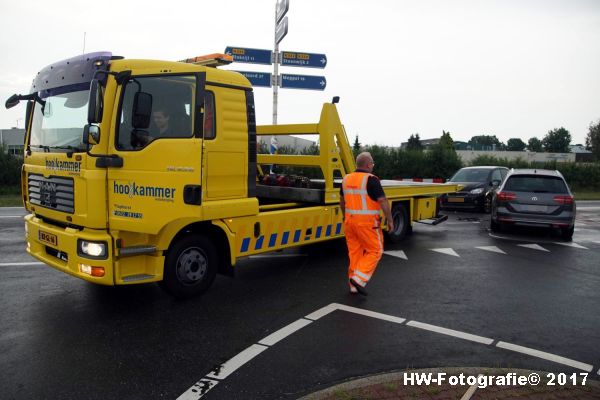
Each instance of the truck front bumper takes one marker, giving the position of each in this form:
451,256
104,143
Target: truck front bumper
58,247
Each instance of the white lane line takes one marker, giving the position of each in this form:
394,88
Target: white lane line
229,367
21,264
198,390
493,249
451,332
471,391
396,253
284,332
546,356
534,247
447,251
322,312
371,314
572,244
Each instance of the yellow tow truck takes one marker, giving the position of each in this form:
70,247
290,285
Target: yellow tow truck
140,171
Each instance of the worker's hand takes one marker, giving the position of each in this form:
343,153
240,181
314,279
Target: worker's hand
390,225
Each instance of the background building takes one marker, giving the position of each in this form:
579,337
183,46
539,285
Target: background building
12,140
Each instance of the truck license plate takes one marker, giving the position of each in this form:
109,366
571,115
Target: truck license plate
48,238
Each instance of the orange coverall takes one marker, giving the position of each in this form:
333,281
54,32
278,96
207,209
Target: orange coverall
362,225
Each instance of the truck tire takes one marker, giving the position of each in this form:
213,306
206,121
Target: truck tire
401,223
190,266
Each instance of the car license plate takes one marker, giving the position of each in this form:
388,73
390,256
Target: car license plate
48,238
456,199
535,208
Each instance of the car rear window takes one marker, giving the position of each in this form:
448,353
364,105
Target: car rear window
536,183
471,175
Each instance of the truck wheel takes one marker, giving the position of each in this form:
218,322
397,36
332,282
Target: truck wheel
401,223
190,267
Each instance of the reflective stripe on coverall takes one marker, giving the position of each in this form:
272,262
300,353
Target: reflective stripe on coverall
362,225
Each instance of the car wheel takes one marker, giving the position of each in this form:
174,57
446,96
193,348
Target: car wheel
401,223
190,266
567,233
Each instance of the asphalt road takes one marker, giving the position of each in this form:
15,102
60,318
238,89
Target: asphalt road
450,295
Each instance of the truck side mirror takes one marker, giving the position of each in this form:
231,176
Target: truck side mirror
12,101
91,134
142,110
95,103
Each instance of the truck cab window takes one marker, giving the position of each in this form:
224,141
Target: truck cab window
209,116
172,110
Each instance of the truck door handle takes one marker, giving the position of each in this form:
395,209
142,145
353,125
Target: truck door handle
113,161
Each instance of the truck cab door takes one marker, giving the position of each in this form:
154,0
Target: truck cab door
159,178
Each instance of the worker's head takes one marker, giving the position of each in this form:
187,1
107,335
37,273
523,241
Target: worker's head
365,161
161,119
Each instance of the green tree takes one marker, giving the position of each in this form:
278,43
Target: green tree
557,141
414,143
10,169
592,140
515,144
535,144
485,142
446,141
356,146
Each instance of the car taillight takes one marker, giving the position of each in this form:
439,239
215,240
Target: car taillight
563,199
506,196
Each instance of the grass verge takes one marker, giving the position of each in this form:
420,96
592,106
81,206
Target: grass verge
586,195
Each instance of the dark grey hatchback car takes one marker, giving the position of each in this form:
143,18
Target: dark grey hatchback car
534,197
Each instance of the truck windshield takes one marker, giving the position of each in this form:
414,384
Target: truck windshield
58,124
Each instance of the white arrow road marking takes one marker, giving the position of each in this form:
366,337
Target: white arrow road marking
396,253
571,244
493,249
534,247
447,251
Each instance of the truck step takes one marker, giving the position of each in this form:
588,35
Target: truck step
433,221
134,278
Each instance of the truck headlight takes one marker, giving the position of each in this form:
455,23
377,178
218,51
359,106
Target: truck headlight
476,191
89,249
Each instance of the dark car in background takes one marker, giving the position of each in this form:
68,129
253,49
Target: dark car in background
479,182
534,197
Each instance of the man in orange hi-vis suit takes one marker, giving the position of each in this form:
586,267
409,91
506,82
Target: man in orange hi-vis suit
361,200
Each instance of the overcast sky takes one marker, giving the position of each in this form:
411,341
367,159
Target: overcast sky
513,68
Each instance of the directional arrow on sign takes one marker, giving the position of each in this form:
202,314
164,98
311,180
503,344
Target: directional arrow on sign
310,82
299,59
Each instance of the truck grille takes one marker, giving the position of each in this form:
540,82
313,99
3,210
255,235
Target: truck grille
54,192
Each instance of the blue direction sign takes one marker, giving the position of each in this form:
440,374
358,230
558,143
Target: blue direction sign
252,56
297,59
291,81
257,78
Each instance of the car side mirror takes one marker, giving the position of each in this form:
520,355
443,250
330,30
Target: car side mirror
95,102
142,110
91,134
495,182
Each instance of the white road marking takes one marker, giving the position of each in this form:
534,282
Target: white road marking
471,391
322,312
230,366
546,356
588,208
396,253
447,251
371,314
451,332
284,332
493,249
21,264
199,389
572,244
534,247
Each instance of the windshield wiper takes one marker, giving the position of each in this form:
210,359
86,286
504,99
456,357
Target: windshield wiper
541,191
39,146
67,148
